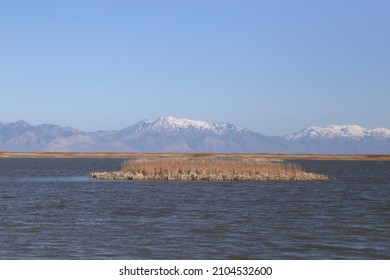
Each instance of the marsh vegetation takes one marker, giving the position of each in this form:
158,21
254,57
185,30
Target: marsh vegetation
208,170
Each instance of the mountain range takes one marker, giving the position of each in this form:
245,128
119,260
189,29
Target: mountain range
169,134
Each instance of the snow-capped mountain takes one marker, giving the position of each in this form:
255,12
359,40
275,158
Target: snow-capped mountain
340,139
340,131
178,125
169,134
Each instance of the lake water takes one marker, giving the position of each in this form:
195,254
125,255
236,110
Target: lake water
50,210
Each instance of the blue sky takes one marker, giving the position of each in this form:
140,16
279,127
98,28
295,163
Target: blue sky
272,66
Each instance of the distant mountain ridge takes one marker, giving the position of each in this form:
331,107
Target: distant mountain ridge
340,131
170,134
340,139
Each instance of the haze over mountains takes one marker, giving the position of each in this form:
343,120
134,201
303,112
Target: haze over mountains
169,134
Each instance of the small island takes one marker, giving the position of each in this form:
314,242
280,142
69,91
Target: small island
208,170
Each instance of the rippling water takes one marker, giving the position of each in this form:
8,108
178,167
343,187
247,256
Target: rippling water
50,210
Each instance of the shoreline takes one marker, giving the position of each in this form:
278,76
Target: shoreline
259,156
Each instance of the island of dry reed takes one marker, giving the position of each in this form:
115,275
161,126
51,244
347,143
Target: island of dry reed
207,170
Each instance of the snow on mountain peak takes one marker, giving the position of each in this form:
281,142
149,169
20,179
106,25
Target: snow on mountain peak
340,131
20,124
181,123
172,124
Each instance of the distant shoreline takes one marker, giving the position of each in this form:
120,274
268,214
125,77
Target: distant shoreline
270,157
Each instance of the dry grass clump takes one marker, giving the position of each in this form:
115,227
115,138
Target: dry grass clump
207,170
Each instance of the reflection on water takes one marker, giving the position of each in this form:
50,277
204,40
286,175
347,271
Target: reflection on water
50,210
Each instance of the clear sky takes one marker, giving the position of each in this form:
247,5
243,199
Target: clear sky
272,66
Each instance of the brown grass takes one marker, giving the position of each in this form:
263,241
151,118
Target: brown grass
207,170
258,156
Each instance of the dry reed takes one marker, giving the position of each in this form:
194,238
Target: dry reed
207,170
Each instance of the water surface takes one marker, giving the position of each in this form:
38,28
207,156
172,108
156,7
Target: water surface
50,210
